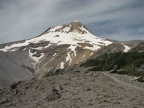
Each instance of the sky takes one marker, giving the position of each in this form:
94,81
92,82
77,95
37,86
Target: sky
112,19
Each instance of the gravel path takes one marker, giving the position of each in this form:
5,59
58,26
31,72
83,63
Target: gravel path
121,82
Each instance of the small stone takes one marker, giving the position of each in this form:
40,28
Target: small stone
87,89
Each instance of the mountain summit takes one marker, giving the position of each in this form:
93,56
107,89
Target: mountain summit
74,26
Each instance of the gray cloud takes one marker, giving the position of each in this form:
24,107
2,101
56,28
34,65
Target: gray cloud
115,19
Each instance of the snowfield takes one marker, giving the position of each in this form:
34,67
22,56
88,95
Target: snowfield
127,48
63,38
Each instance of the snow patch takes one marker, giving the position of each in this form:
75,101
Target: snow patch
24,49
38,48
83,57
83,29
14,49
106,43
66,29
62,65
36,59
53,29
17,45
73,47
47,46
68,58
54,54
92,48
91,54
76,21
127,48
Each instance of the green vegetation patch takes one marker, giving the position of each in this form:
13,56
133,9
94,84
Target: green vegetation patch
131,63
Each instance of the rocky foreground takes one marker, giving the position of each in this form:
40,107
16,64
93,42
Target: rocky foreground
75,90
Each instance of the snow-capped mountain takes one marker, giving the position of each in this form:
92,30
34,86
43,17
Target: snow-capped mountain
56,48
70,34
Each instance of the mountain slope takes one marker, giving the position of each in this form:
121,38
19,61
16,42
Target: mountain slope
14,66
58,47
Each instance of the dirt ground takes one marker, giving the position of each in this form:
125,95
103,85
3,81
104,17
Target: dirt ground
75,90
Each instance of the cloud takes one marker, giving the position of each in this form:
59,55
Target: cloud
125,34
24,19
21,19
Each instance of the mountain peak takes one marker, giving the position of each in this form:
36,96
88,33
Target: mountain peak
74,26
76,21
